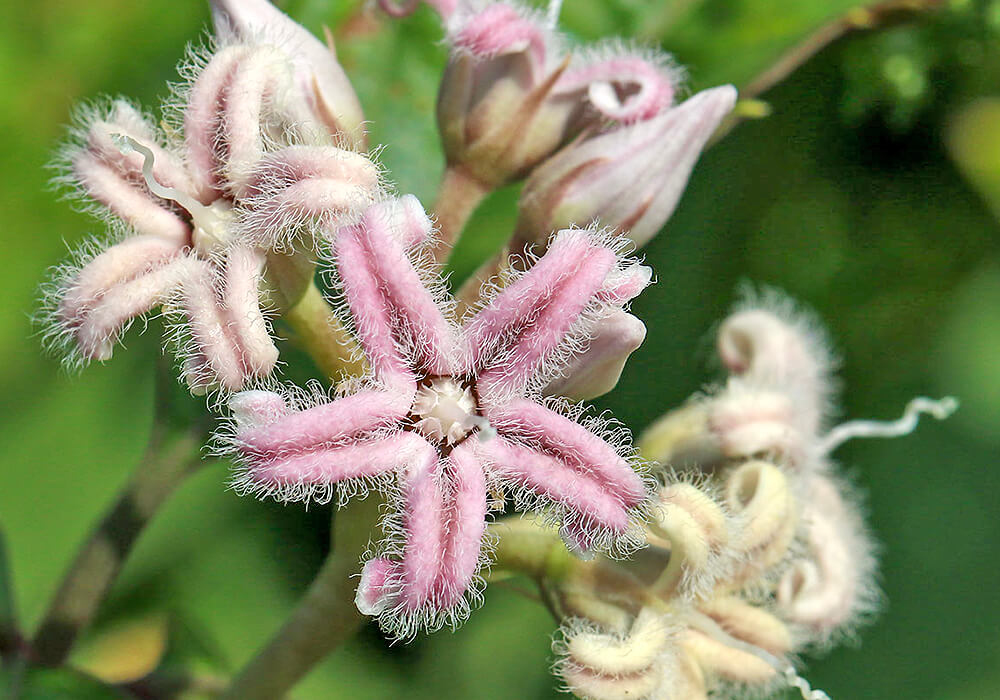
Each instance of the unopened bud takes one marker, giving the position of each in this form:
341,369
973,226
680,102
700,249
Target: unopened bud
596,370
831,587
697,531
758,493
630,178
600,665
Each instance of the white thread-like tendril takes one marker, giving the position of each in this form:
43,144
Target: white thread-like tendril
940,409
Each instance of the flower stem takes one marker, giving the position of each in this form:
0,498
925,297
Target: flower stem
459,195
324,618
9,635
320,333
171,455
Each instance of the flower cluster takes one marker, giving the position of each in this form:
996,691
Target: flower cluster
757,548
260,148
749,549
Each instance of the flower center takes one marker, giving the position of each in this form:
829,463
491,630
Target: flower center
210,223
445,410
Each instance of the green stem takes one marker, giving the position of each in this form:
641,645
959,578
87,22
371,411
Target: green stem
10,637
320,333
171,455
459,195
325,618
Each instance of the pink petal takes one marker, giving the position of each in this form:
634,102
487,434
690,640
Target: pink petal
132,202
105,317
325,424
203,120
243,276
649,87
572,444
120,263
465,522
331,465
215,354
499,30
552,479
397,320
299,184
532,318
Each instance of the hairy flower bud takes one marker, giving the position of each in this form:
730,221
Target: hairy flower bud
759,494
510,96
629,178
602,665
830,589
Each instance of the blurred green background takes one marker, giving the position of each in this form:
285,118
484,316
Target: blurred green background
870,194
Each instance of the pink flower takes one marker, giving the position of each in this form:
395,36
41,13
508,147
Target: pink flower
450,415
199,213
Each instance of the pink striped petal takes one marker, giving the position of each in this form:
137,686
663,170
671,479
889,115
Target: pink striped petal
465,522
551,479
649,88
120,263
532,317
572,444
325,424
299,184
423,528
499,30
215,355
133,203
203,120
395,314
105,317
243,276
332,465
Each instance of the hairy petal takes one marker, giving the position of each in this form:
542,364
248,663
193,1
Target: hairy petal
570,443
532,317
335,422
398,322
550,478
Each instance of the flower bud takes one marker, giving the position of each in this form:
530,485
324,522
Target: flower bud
510,97
596,370
698,532
319,79
830,588
768,344
629,178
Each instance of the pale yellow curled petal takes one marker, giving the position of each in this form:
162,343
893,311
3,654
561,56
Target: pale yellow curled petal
749,623
721,660
615,655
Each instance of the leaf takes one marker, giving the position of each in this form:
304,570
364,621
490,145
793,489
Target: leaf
126,651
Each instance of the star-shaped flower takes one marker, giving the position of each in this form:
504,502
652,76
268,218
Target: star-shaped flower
247,164
452,414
